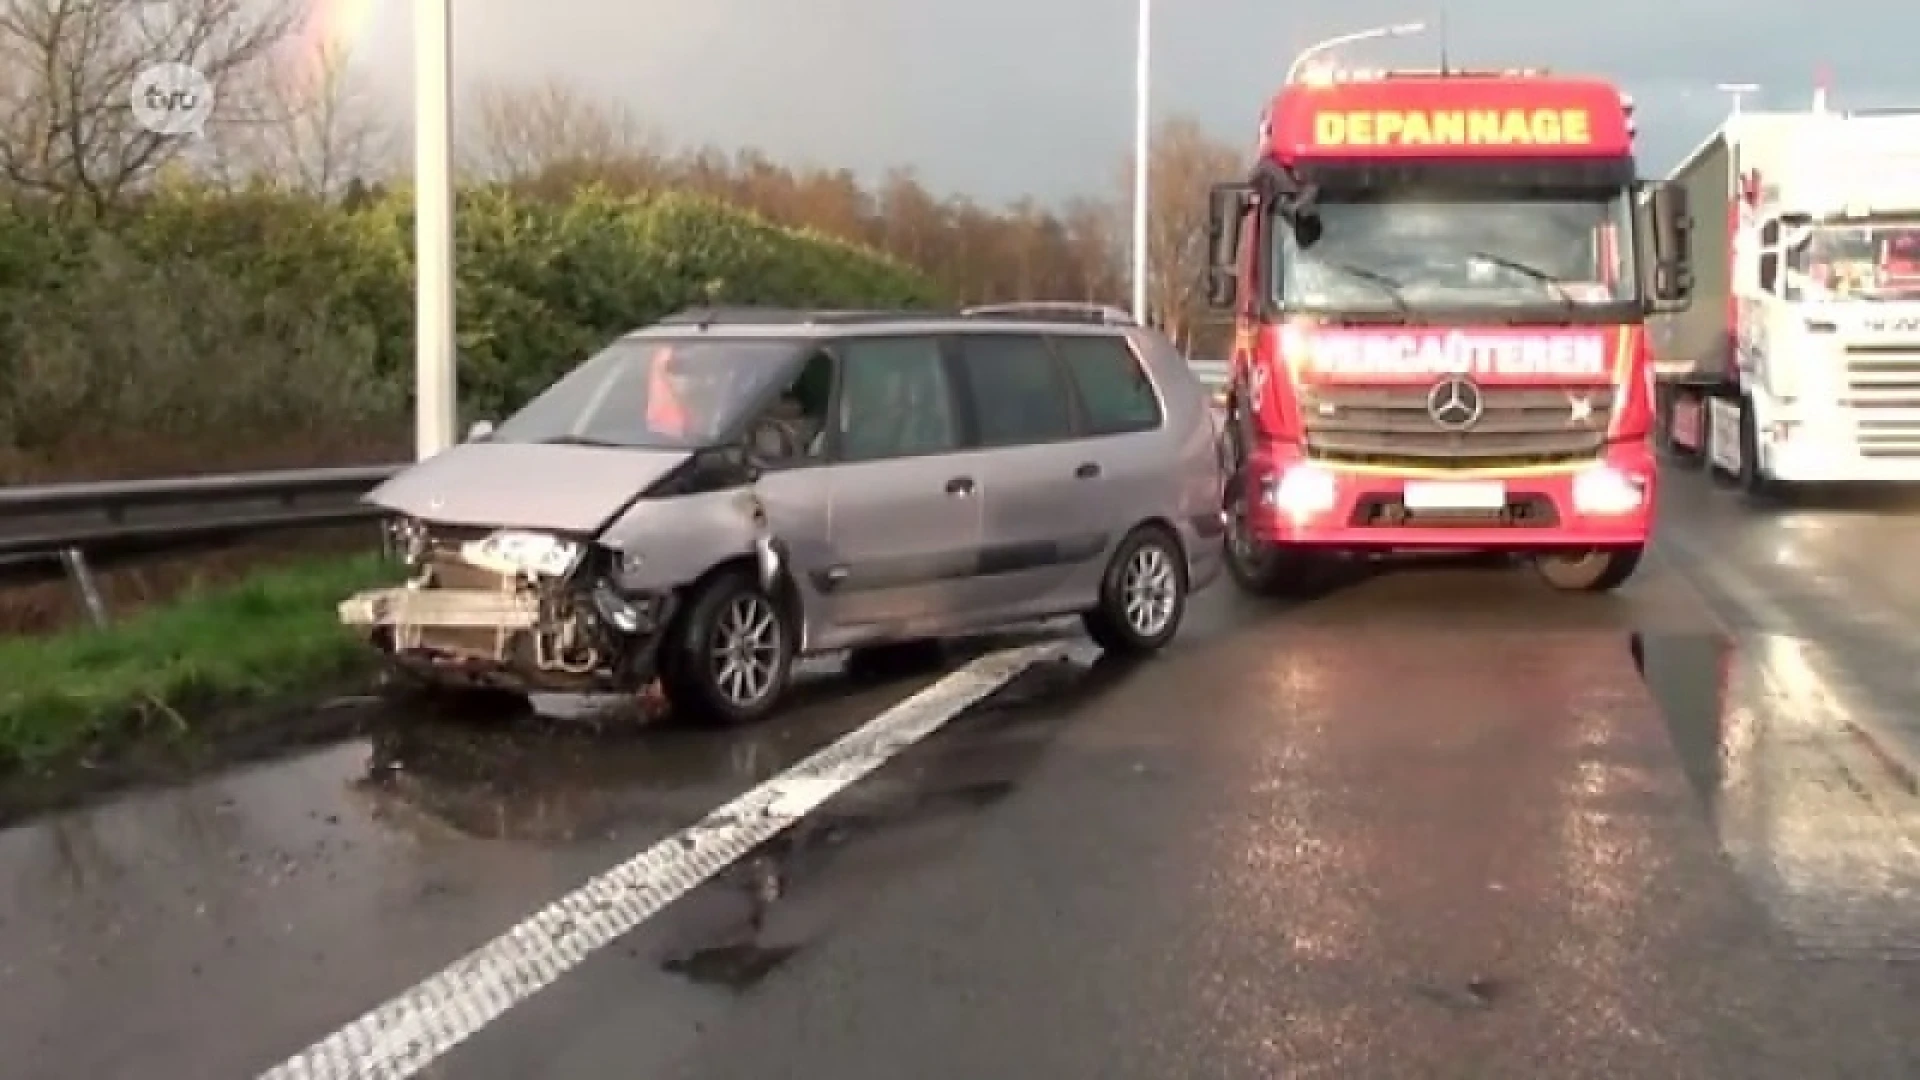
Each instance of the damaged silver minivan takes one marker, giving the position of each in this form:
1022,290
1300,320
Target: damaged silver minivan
712,496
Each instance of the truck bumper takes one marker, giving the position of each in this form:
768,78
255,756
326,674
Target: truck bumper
1604,503
1807,455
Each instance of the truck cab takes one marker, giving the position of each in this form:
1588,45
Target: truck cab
1440,287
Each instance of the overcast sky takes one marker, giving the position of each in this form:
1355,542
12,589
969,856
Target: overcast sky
998,98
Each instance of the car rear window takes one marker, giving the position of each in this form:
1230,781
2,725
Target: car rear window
1114,388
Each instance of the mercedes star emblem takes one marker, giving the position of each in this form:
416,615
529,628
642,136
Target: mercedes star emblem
1455,404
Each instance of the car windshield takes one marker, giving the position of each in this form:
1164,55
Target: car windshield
653,393
1402,251
1875,259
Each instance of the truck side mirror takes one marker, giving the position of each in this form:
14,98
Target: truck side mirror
1226,205
1672,247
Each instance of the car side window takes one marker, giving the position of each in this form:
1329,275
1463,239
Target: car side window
793,430
1114,388
895,400
1016,389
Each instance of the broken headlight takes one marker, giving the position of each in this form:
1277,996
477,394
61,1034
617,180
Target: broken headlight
512,552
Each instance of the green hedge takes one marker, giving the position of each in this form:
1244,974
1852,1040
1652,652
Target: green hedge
262,318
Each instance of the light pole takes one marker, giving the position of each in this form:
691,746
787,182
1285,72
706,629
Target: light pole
1318,47
1739,91
436,388
1142,137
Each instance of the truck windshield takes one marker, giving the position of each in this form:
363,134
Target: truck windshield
653,393
1407,251
1875,258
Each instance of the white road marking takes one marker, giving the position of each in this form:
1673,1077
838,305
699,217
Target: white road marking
405,1035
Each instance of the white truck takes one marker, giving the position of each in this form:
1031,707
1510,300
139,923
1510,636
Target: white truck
1798,362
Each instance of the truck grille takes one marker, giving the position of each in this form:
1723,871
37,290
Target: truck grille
1883,399
1518,427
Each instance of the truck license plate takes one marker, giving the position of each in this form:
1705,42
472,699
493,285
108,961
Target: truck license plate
1455,495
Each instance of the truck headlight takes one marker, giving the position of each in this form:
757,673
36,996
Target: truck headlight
512,552
1607,490
1304,490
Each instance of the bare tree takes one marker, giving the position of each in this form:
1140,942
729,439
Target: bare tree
1185,163
524,130
322,130
1094,251
67,73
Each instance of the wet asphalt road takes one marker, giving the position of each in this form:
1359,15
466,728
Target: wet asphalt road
1432,825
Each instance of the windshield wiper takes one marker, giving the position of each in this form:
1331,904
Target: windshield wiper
1387,286
1558,286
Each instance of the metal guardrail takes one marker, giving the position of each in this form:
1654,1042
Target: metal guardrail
68,524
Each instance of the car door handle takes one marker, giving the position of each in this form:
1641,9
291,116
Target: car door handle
960,485
1087,470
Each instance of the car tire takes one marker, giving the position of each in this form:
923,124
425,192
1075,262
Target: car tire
1602,570
727,659
1143,594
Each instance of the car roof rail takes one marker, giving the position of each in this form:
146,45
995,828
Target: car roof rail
1053,311
751,315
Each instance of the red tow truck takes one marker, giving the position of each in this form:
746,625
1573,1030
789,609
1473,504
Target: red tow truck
1440,285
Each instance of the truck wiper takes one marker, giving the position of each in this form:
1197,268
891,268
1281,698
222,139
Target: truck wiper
1388,286
1558,286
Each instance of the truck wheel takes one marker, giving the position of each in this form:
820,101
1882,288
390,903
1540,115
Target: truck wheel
1602,570
1255,565
1264,569
726,660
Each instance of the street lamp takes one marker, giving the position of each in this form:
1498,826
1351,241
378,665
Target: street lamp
1142,137
436,387
1739,92
1318,47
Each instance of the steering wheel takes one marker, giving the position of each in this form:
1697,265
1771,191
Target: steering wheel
772,439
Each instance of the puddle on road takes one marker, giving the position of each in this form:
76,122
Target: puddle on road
587,769
598,769
1824,833
758,913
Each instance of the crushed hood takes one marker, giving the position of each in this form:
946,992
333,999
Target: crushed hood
571,489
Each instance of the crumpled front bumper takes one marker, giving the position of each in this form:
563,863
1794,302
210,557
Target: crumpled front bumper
408,611
455,637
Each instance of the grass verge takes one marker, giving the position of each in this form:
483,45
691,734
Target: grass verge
80,694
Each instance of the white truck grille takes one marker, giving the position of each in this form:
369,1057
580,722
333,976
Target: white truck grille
1883,398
